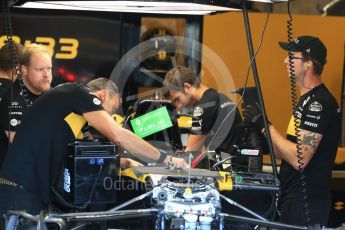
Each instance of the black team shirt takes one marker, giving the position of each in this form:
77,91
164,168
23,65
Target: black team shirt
217,116
53,121
317,112
11,114
5,84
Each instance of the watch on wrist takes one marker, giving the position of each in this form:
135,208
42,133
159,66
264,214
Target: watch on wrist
162,157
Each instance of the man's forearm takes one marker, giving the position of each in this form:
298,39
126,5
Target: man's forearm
195,142
283,148
106,125
287,150
137,146
127,140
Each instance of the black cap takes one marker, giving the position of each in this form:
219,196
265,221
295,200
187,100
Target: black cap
309,45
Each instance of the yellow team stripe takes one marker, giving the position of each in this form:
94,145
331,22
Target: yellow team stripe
184,122
291,128
76,123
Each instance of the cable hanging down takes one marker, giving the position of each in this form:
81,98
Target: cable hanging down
296,121
15,61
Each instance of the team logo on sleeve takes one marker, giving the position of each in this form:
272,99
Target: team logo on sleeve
198,121
96,101
14,122
315,106
312,116
198,111
198,126
311,124
305,101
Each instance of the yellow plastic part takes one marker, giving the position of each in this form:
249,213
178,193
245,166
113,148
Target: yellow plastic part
225,183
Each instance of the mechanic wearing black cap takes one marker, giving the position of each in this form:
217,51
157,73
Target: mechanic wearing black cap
318,116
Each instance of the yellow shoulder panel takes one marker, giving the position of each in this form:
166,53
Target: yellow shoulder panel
291,128
184,122
76,123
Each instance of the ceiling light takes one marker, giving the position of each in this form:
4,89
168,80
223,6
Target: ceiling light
187,7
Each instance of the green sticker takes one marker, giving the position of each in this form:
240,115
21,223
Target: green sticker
152,122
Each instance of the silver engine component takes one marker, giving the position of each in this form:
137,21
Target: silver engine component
193,204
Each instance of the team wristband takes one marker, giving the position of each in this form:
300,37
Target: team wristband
162,157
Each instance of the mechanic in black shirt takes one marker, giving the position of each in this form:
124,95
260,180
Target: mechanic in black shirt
54,120
215,117
7,71
36,66
318,117
7,76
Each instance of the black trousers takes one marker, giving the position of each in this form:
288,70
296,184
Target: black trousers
293,211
